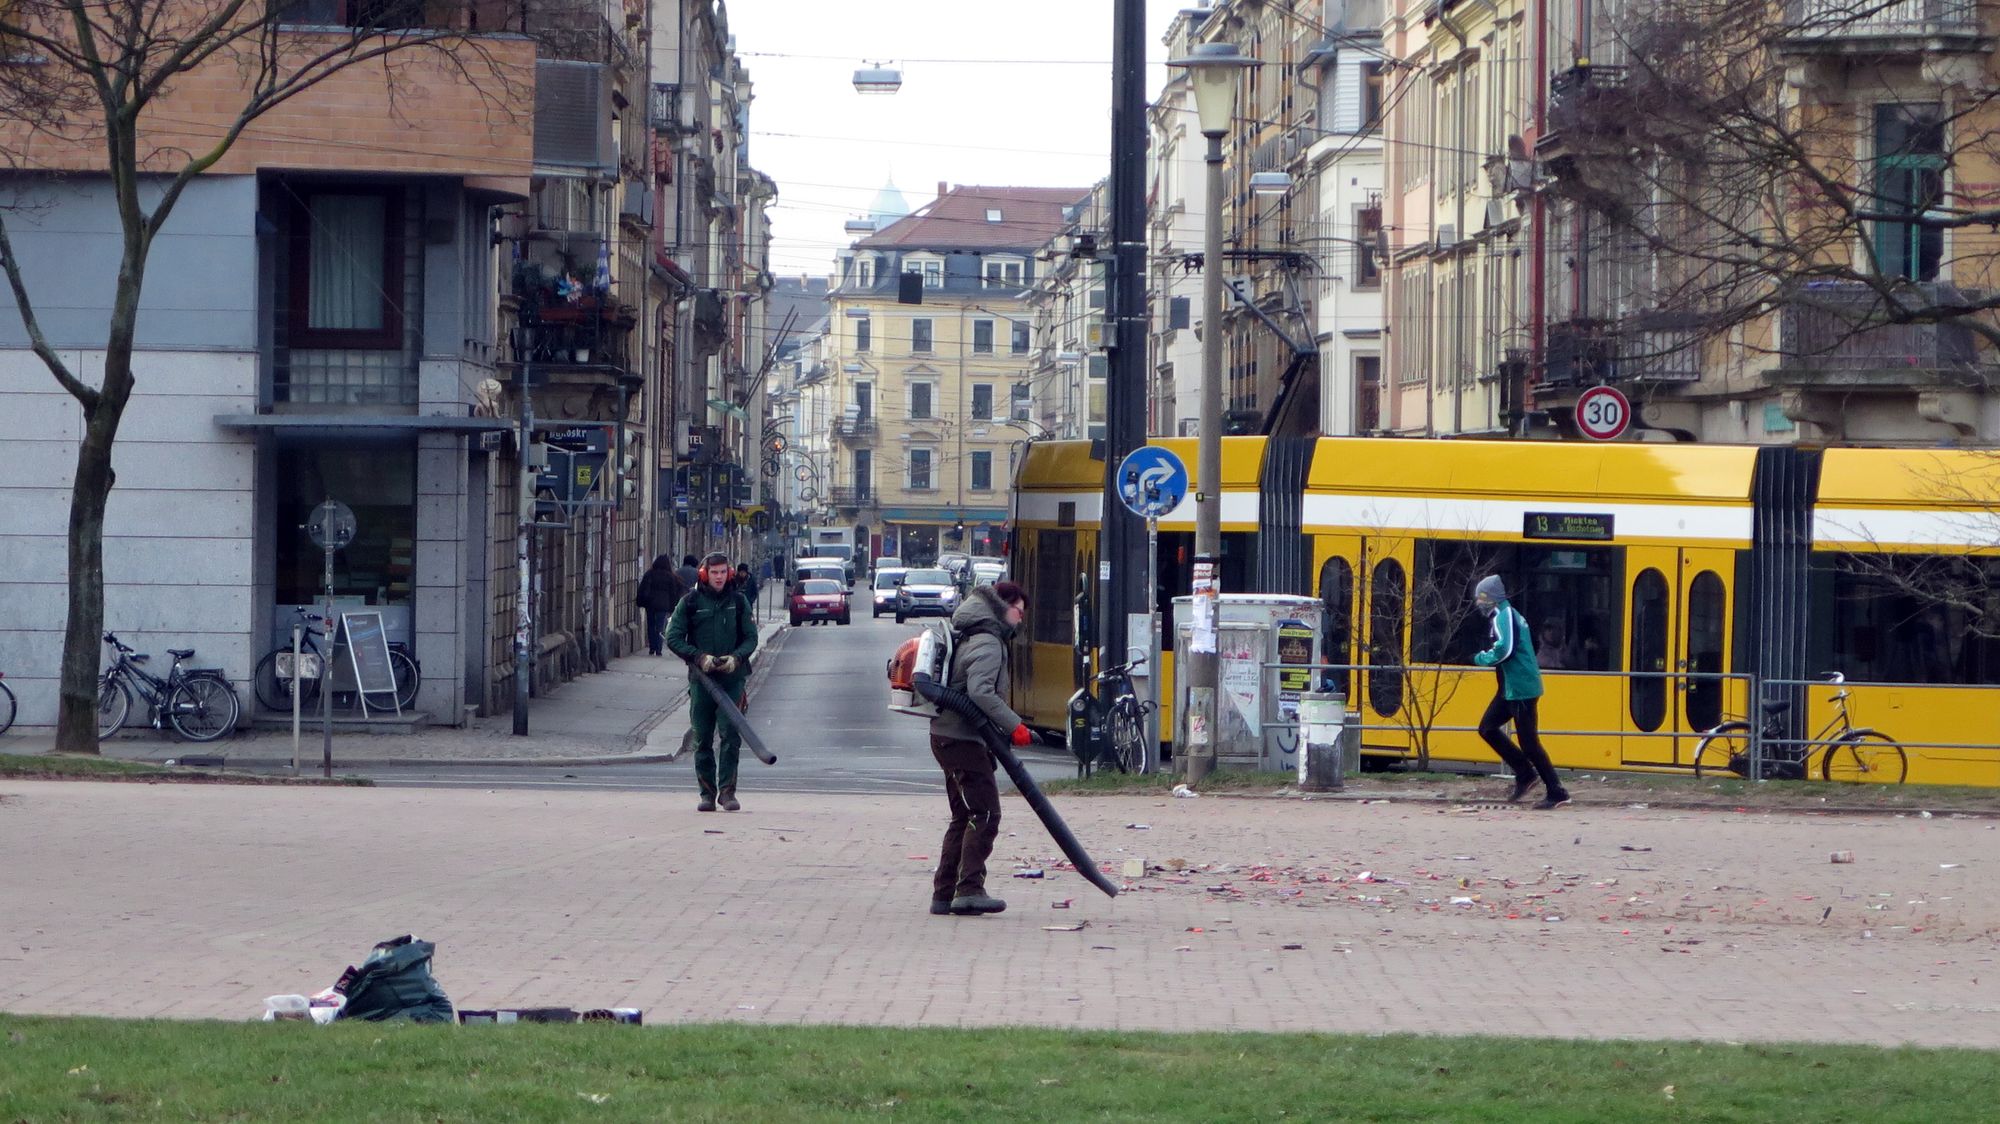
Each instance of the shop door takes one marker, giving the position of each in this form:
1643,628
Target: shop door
1676,628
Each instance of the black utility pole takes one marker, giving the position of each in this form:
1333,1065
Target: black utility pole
1123,548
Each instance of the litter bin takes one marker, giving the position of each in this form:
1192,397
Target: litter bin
1330,744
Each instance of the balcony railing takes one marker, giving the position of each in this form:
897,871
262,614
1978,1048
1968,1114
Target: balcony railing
1579,353
850,428
1838,326
1660,347
1838,21
845,496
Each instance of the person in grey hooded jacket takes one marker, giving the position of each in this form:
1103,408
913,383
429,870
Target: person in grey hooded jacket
1518,699
982,627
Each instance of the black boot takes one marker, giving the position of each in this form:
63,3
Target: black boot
976,903
728,800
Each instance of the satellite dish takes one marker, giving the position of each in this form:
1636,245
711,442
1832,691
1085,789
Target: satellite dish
331,525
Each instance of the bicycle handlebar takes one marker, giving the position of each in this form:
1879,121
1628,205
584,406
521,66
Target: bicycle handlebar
1111,673
114,642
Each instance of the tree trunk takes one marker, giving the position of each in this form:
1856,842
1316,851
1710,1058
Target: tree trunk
76,724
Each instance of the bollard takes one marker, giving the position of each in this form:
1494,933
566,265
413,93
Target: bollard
1322,718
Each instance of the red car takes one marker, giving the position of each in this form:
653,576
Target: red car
818,600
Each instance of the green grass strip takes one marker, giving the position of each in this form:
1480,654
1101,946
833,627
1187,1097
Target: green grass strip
96,1069
82,767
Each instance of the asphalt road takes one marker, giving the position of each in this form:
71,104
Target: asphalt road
823,709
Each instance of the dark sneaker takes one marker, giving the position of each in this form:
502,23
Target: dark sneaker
940,907
976,903
1553,800
1522,787
707,804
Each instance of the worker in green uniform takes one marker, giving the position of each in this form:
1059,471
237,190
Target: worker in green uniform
712,630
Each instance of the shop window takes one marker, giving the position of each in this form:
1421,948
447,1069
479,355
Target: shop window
379,482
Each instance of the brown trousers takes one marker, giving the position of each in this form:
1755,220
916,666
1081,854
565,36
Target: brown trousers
975,817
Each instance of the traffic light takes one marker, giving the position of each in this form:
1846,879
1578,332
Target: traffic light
626,483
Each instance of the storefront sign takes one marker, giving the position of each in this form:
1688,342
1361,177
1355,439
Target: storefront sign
368,652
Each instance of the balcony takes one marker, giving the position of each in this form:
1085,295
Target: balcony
845,496
854,428
1587,107
1579,353
1881,28
1660,347
1833,333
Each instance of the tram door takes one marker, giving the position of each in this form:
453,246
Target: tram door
1676,638
1381,641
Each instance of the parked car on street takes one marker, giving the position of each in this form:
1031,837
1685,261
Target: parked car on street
986,573
883,588
889,563
819,600
926,593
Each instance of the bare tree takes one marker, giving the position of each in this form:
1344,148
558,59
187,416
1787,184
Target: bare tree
1729,167
92,75
1435,602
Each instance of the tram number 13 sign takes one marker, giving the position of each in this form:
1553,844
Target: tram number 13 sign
1603,413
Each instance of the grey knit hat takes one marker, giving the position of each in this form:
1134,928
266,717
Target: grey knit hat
1491,586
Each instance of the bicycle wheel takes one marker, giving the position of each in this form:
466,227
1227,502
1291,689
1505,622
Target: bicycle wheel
274,692
114,703
1864,756
408,678
203,709
1723,751
6,708
1127,737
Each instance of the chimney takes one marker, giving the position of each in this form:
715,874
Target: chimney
943,189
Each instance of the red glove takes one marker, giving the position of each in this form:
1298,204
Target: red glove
1021,735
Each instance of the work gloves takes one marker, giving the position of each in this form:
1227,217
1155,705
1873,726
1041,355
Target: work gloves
1021,735
717,665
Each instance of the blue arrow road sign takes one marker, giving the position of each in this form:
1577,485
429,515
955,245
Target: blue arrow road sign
1152,481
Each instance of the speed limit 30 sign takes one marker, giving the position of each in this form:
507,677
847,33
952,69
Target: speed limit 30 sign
1603,413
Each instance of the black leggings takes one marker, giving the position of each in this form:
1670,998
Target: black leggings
1528,758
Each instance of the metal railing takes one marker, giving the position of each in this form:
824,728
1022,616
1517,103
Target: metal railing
1871,19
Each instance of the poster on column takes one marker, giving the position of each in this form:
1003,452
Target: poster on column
1295,641
1202,618
1241,675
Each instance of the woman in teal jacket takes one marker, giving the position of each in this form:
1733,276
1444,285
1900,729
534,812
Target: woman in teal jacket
1512,658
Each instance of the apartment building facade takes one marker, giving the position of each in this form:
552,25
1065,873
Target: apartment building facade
929,353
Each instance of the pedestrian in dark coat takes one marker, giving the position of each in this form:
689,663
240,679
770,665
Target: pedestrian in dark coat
659,591
1512,658
747,583
712,630
689,573
982,627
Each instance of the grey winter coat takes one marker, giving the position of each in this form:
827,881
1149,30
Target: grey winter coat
979,666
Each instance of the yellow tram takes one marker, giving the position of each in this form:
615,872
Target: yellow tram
1660,582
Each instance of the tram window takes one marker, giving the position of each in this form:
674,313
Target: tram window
1907,618
1446,624
1050,601
1649,649
1336,595
1704,649
1569,596
1385,637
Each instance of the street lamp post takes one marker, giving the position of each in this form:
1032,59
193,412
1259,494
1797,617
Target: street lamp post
1213,68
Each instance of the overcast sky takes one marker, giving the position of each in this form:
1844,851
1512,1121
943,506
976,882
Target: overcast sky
995,92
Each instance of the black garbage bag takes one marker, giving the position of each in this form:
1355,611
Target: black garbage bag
395,982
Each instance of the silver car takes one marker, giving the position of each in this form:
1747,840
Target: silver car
926,593
887,578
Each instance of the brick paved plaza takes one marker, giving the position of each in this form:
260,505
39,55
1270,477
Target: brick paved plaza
196,901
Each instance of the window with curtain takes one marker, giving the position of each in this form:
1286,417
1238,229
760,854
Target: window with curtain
1910,164
346,271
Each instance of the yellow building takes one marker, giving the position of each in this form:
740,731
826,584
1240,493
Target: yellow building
928,341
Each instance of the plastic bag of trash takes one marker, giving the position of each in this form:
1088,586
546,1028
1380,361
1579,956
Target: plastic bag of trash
395,982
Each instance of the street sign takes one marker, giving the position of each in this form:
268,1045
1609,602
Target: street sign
1152,481
1603,413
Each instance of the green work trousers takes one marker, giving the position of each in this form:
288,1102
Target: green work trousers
715,771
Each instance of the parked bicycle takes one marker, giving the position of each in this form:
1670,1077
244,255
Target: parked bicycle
272,680
199,703
1841,751
1110,733
6,704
